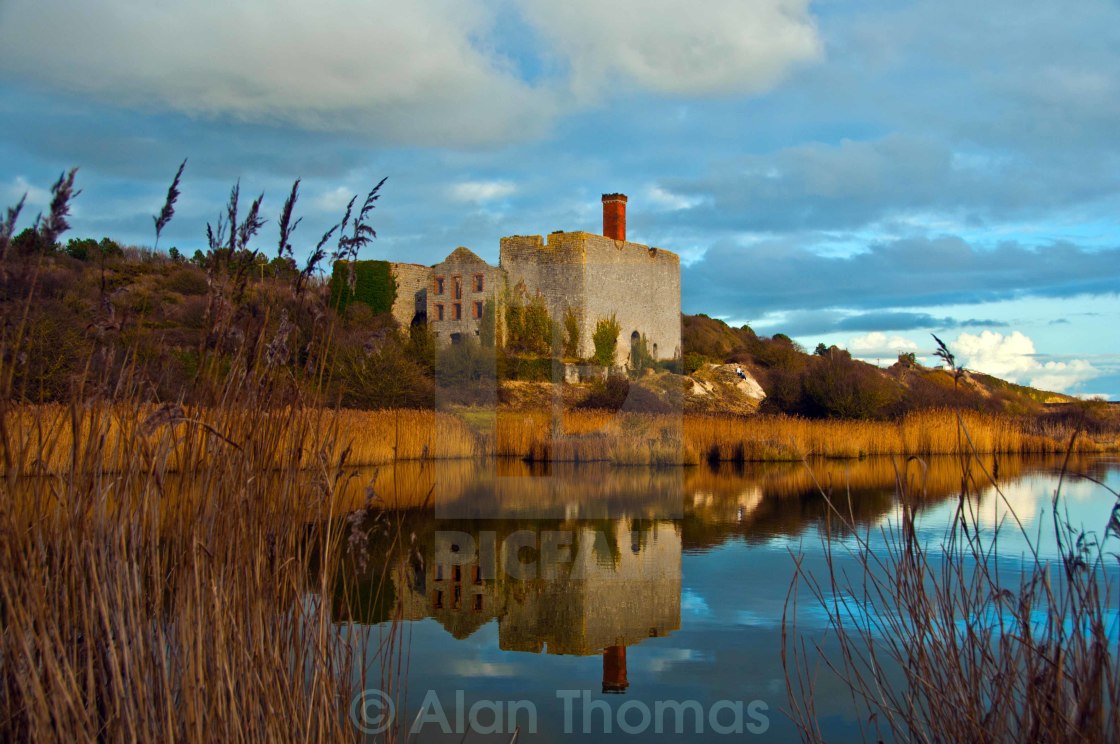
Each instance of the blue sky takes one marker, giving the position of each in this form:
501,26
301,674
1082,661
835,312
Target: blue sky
858,173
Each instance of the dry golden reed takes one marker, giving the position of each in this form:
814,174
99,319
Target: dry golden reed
653,439
43,437
141,605
54,438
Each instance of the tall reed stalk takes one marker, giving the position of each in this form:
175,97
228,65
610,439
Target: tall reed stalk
961,641
137,606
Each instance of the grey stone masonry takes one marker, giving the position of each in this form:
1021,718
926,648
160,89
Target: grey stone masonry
598,277
458,290
592,276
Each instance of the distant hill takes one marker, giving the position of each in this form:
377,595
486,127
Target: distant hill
830,383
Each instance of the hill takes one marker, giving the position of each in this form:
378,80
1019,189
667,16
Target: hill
829,383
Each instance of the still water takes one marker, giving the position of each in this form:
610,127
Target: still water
592,603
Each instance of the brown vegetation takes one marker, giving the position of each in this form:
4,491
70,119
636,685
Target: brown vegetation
959,642
53,438
831,384
141,606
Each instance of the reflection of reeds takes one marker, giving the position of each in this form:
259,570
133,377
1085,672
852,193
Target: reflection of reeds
956,641
138,605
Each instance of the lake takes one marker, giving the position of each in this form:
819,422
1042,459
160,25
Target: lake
596,603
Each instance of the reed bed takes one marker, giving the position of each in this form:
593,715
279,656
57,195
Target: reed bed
933,432
593,436
656,439
54,438
137,605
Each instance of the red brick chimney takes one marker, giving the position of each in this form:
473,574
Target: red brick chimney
614,216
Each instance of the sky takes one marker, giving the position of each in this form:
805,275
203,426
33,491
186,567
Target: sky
862,173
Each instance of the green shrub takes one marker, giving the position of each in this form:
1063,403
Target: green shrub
81,248
842,388
571,334
487,328
640,356
609,394
605,340
387,377
528,327
186,281
466,373
693,362
528,368
374,285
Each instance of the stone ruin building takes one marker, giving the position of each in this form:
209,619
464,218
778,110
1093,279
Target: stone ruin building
592,276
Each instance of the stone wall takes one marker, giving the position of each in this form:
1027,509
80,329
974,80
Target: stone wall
412,291
554,269
641,286
453,284
597,277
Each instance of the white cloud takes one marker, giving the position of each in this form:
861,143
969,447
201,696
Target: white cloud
412,72
665,199
36,197
334,200
1013,357
477,192
880,344
718,46
430,72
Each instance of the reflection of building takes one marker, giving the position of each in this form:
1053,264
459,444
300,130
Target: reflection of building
596,588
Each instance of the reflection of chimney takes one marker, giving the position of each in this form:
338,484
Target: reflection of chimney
614,670
614,216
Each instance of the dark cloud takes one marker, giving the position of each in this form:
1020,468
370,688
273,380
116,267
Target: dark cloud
909,321
118,142
818,322
856,183
747,281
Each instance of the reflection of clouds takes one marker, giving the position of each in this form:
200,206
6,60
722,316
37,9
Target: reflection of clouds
1083,504
1079,489
693,604
852,613
475,668
756,619
663,660
1020,500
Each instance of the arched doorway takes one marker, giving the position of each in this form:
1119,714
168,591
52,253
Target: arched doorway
635,349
